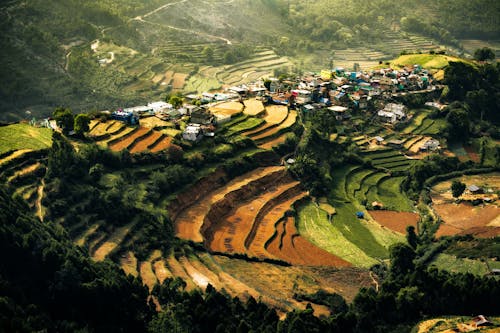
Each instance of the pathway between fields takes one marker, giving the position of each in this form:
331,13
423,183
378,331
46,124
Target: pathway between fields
39,212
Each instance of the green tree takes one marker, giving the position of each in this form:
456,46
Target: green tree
176,100
81,123
411,236
457,188
64,118
61,156
458,124
484,54
208,53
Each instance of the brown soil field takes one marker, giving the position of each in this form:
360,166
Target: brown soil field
126,130
298,251
147,275
274,142
253,107
157,78
179,80
265,226
142,145
397,221
161,270
276,114
128,139
152,122
228,234
189,221
168,77
279,283
165,143
111,243
227,108
462,218
128,263
441,192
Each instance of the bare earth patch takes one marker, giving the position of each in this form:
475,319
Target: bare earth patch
127,140
397,221
464,218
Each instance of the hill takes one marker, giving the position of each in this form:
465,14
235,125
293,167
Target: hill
107,55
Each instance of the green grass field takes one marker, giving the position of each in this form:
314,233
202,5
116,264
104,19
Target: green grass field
314,225
463,265
248,124
24,136
429,61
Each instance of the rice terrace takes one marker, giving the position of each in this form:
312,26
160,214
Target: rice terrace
250,166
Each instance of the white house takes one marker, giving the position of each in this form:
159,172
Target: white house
192,132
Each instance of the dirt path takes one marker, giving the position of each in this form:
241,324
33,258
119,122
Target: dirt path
39,209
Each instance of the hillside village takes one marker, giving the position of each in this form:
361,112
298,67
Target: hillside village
340,91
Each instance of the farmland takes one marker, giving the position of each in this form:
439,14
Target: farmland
24,136
463,217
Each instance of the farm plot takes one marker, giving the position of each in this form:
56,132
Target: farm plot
463,265
111,243
153,122
314,225
189,221
178,81
24,136
145,142
290,246
397,221
274,142
463,218
246,125
125,141
227,108
276,114
161,144
288,122
124,132
253,107
228,234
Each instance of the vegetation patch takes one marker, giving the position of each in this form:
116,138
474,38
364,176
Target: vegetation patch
24,136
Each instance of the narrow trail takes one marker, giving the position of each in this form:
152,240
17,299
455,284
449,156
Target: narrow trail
39,212
199,33
162,8
374,281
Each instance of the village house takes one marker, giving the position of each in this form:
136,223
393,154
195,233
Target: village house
192,132
392,113
430,145
340,112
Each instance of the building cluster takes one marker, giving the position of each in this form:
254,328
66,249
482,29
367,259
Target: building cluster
339,91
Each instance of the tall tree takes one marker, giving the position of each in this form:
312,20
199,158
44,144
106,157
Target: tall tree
81,123
64,118
457,188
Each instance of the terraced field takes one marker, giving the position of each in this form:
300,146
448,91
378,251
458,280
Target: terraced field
22,136
390,160
272,132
